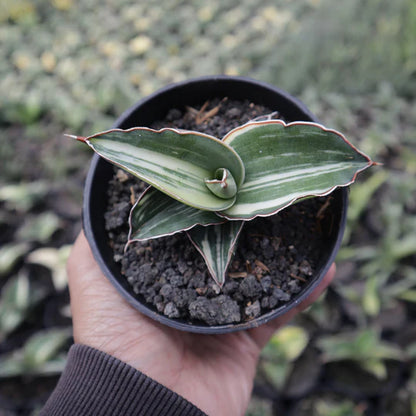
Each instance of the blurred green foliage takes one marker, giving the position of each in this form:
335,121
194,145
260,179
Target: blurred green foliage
17,299
364,346
280,353
40,355
69,66
350,49
331,407
83,72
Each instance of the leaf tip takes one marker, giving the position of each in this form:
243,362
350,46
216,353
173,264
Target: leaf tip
376,163
79,138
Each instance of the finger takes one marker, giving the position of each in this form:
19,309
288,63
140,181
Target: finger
90,290
262,334
102,318
81,262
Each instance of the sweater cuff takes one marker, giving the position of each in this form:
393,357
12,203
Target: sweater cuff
95,383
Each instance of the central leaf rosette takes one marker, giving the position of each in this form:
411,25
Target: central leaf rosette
223,185
209,187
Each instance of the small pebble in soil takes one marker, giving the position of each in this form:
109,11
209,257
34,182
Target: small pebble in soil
250,287
266,284
253,310
216,311
171,310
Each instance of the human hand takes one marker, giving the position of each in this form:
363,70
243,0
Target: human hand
214,372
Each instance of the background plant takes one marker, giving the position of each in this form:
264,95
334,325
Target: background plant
63,70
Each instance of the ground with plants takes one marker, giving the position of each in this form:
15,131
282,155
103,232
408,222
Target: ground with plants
72,68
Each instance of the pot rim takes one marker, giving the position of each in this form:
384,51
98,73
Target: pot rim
95,237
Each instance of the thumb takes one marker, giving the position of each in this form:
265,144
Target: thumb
92,295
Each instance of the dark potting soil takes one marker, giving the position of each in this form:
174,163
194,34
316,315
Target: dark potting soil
274,256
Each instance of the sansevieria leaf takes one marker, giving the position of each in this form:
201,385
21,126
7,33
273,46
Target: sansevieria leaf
216,244
284,163
174,161
155,215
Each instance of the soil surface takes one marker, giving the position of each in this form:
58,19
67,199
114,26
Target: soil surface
275,256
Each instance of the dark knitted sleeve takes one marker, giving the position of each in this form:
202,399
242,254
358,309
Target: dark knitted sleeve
95,383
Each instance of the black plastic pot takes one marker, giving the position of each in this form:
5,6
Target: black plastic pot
155,107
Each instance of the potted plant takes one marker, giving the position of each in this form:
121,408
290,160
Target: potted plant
224,193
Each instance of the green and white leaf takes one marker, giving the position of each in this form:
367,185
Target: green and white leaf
216,244
45,345
17,298
42,354
155,215
23,196
284,163
55,260
10,255
174,161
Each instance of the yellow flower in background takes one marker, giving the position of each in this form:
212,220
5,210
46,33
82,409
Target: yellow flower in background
62,4
48,61
232,70
205,14
274,15
110,48
16,10
22,61
140,44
